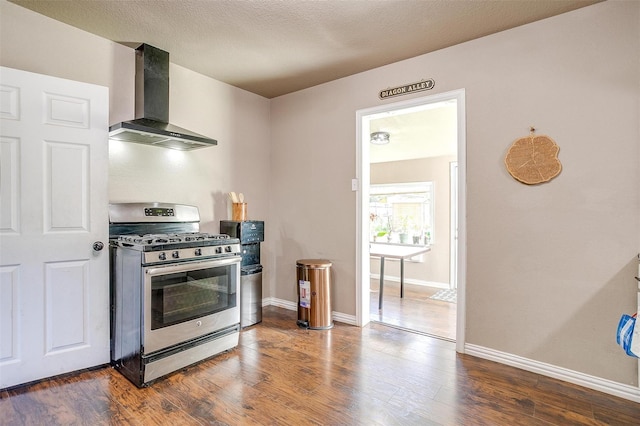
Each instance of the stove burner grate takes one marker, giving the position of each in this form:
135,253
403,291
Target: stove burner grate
188,237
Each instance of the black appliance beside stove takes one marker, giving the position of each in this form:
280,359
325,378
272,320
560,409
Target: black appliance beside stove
251,234
175,294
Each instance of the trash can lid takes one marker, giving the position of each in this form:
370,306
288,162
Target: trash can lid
314,263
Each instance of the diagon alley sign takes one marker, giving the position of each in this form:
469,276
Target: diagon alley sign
408,88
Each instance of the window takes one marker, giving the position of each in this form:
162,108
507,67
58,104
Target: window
401,213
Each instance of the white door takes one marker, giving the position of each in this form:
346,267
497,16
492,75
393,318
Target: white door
54,287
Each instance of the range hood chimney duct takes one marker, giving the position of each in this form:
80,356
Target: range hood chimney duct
151,125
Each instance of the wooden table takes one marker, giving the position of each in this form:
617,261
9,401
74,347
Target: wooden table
394,251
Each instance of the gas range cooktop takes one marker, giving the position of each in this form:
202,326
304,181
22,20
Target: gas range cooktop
154,242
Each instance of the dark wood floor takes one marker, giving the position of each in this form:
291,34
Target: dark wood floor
415,311
283,375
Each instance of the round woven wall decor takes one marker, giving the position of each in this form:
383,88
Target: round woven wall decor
533,159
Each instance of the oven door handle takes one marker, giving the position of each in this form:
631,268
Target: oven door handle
192,266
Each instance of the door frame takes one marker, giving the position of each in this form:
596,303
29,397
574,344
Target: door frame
362,212
453,225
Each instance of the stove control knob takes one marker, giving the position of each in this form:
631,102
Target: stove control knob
162,256
218,250
175,255
198,252
227,249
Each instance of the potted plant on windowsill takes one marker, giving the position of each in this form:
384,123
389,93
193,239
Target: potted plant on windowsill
404,230
416,234
379,234
380,229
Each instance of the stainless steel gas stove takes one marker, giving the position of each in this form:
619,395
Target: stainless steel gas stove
175,290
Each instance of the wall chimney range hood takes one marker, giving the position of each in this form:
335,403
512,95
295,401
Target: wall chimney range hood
151,126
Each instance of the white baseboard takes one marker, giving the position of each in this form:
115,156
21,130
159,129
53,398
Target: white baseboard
344,318
280,303
610,387
631,393
293,306
410,281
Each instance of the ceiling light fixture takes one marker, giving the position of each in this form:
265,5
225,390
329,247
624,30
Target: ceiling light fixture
380,138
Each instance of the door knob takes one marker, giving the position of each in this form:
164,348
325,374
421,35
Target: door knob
97,246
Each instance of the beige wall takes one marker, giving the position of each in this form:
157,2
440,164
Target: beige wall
550,267
32,42
435,265
239,120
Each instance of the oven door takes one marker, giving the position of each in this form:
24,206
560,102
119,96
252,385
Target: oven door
188,300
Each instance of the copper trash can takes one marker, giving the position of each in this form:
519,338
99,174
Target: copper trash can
314,294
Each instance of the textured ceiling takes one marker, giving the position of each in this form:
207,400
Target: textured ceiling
273,47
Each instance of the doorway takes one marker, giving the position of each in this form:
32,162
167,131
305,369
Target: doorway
396,214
